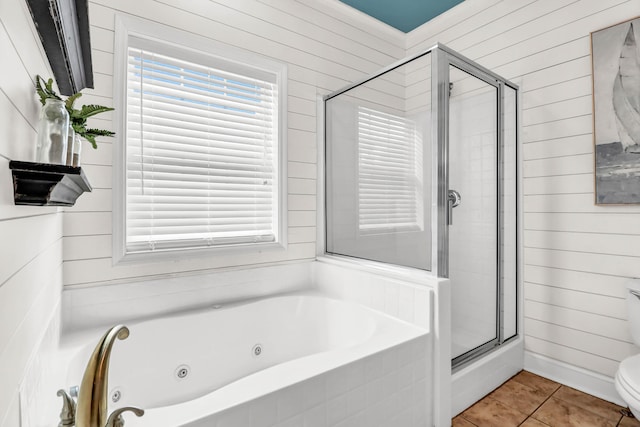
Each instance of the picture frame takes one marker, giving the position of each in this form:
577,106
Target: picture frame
615,55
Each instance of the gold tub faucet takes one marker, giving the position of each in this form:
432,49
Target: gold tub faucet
91,410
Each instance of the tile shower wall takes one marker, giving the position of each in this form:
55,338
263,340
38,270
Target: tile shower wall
31,237
577,256
324,49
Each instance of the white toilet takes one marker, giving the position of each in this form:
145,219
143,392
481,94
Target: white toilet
628,375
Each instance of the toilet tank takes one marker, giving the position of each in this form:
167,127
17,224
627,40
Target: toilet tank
633,309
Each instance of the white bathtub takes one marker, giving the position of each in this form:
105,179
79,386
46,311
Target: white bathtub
296,359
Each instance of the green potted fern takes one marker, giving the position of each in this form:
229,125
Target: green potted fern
77,118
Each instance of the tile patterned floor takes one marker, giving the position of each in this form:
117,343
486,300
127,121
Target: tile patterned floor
529,400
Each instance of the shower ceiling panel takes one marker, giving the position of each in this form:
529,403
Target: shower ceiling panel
405,15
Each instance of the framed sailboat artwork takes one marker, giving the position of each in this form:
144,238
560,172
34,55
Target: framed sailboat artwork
615,54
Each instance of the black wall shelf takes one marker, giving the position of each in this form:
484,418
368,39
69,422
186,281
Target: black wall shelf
42,184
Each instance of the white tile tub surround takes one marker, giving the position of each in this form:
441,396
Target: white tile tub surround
397,388
411,295
402,299
87,307
386,389
374,377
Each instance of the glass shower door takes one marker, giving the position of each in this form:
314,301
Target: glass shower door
473,212
421,172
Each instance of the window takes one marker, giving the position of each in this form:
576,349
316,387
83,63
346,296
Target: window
389,173
202,146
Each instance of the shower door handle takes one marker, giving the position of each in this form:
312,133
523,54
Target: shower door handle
453,200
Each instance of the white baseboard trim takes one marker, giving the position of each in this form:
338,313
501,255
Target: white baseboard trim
587,381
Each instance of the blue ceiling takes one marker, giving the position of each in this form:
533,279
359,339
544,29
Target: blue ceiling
405,15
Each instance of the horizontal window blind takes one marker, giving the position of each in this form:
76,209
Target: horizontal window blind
201,154
387,172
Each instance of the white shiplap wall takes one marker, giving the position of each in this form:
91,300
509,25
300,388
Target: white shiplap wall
31,237
324,49
577,256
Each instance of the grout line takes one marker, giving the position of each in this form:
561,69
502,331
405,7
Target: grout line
530,415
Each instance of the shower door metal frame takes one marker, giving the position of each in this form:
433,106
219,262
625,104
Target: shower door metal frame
442,59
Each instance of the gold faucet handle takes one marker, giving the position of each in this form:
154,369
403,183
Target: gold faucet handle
116,420
68,412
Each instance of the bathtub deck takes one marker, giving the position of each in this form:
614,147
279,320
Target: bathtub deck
530,400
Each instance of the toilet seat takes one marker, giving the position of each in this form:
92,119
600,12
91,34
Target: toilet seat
629,369
627,382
